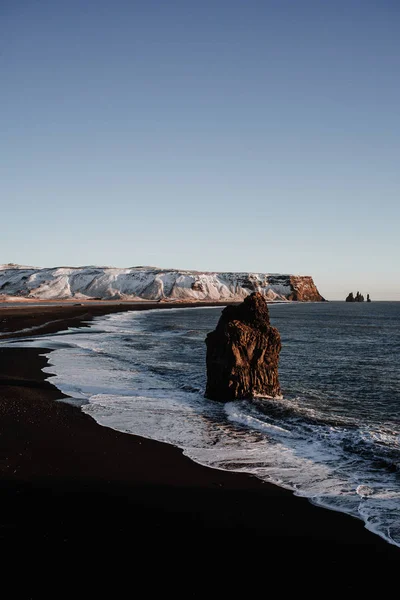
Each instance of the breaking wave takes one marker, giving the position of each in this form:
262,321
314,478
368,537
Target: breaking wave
333,438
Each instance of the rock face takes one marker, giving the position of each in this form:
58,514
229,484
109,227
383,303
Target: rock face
150,283
243,353
304,289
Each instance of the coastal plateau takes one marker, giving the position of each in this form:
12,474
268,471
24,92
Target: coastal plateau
149,283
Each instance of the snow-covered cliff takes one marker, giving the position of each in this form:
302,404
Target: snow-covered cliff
149,283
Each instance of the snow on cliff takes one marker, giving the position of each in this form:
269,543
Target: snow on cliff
149,283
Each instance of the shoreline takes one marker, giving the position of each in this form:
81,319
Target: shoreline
59,460
18,320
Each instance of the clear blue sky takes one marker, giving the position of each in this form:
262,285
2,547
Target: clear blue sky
255,135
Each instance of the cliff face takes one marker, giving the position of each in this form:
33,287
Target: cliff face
149,283
304,289
243,353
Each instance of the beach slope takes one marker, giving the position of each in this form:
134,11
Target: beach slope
71,488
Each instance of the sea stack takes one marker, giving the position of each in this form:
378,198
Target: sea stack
243,353
358,298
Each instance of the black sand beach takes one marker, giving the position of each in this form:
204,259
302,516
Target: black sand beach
84,499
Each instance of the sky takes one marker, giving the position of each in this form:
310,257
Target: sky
223,135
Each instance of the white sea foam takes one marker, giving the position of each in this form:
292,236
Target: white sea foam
125,382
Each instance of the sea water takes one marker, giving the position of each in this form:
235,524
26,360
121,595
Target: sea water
333,438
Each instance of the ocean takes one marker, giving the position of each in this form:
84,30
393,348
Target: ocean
333,438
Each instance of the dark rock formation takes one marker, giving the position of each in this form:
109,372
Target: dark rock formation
358,298
243,353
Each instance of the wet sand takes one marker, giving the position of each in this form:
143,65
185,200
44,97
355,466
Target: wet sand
75,495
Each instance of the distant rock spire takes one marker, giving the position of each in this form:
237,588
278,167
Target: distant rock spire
358,297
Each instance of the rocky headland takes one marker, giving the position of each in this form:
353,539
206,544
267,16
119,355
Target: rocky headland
149,283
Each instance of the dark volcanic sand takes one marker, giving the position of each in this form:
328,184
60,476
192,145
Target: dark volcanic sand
82,500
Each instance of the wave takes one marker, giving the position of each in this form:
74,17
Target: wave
135,380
